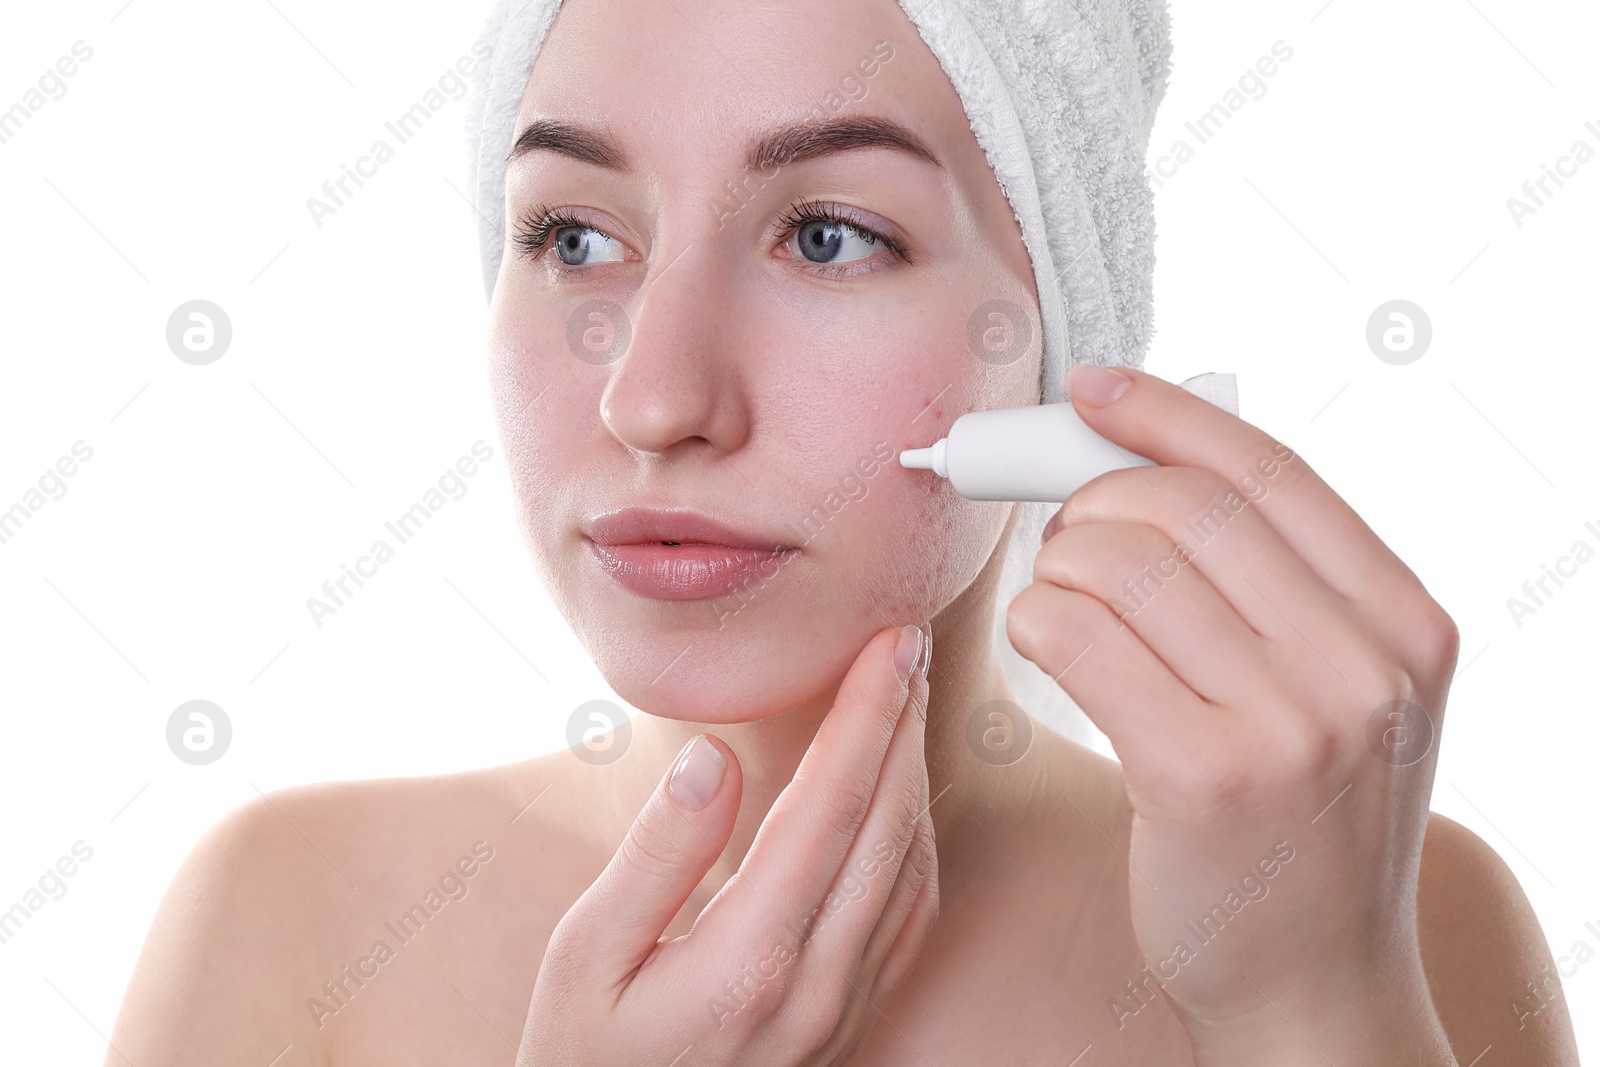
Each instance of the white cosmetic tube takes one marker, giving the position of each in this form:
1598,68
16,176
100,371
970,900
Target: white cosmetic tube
1041,452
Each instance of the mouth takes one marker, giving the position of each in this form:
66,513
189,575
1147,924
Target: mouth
680,554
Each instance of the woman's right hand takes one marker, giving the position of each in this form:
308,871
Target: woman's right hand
832,903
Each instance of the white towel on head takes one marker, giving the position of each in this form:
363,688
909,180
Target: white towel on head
1061,96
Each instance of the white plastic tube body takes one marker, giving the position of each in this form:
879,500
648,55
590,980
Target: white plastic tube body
1041,452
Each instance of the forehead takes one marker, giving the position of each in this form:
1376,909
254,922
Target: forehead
699,77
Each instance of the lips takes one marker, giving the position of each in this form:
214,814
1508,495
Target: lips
637,526
677,554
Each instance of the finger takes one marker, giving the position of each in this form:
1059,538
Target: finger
1153,585
676,837
1166,423
913,935
881,874
812,824
917,878
1241,555
1152,718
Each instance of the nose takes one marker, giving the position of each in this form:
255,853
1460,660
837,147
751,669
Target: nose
678,382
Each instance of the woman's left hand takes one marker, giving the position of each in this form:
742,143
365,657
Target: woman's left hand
1273,679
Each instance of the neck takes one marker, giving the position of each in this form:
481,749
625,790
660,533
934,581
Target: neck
965,793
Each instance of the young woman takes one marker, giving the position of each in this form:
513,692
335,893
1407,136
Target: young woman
805,852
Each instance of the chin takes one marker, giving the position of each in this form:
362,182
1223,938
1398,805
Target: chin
708,695
729,659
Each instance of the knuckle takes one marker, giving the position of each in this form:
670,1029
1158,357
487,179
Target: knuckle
901,860
1265,450
1308,754
919,699
1439,639
565,953
1053,524
830,1012
1083,503
1135,549
1268,459
1217,788
1099,497
1052,563
1293,465
1377,679
1043,615
650,849
904,835
1139,542
921,862
811,1017
762,1002
844,808
1098,556
1020,615
1281,760
1198,496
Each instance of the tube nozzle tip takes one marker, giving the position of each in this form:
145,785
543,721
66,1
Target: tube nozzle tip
917,458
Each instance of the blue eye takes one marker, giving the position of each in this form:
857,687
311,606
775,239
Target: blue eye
822,234
822,242
576,242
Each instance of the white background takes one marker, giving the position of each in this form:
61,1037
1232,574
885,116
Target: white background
177,565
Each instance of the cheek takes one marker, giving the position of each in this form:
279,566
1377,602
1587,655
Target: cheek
946,540
534,393
519,383
912,546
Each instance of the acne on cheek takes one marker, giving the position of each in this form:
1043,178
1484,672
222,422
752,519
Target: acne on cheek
920,585
894,544
944,542
913,587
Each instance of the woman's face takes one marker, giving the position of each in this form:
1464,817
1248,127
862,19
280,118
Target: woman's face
735,285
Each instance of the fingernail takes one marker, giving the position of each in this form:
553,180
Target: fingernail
927,651
906,650
699,772
1095,385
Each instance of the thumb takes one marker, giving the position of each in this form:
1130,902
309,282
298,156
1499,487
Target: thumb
677,836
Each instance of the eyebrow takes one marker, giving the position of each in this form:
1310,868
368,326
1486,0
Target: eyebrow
794,142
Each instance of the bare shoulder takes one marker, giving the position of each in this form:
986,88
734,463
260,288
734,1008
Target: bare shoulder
290,889
1487,960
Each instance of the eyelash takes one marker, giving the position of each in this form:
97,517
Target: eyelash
535,228
805,211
